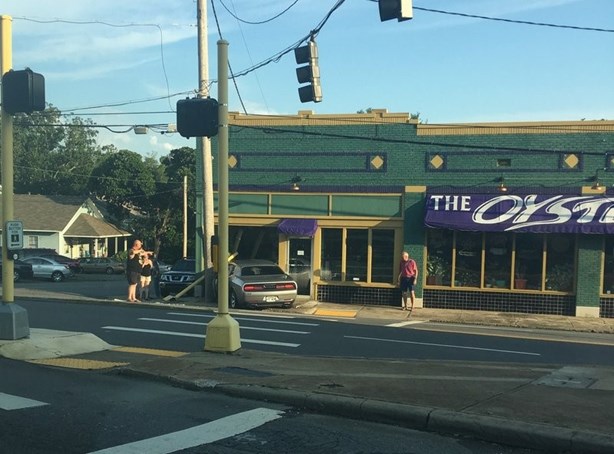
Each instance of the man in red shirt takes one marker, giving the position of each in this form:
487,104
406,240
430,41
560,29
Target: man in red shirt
408,273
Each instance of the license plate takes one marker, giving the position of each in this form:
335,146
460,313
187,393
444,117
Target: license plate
270,299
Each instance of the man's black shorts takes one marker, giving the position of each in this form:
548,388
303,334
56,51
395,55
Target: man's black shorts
407,283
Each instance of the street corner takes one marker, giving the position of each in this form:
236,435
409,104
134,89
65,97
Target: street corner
43,344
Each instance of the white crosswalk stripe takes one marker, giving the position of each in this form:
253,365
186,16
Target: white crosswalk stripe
195,436
10,402
201,336
182,324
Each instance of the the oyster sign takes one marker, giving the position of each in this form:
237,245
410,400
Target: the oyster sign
522,213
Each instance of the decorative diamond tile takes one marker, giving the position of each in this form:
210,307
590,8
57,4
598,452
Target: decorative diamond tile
377,163
232,161
437,162
571,161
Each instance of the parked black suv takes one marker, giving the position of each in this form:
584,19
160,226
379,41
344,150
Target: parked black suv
182,274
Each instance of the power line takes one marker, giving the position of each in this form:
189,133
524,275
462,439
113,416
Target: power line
109,24
258,22
513,21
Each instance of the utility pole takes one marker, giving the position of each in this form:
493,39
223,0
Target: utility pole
13,318
204,164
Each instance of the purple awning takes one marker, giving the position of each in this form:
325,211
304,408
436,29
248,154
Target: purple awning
298,227
536,213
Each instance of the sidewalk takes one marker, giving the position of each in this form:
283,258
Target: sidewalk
547,407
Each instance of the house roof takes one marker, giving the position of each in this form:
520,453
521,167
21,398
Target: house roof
54,213
89,226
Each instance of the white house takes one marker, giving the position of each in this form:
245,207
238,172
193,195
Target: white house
72,225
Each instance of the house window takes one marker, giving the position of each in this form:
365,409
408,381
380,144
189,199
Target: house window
367,252
32,241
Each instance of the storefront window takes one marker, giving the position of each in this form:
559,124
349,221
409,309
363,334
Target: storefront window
608,278
382,256
439,257
356,254
468,259
560,261
331,254
498,260
254,242
527,253
529,260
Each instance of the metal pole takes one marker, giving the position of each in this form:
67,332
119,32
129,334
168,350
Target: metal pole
8,267
223,330
13,319
185,216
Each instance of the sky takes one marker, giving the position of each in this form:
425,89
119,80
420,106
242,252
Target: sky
127,63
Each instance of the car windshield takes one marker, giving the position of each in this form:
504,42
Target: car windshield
261,270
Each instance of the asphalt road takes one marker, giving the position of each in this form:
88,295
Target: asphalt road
180,329
49,410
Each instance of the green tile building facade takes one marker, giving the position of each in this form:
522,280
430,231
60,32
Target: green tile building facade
367,181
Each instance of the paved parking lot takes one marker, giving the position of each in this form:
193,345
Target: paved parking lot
81,286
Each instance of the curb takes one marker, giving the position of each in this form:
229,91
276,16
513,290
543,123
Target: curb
487,428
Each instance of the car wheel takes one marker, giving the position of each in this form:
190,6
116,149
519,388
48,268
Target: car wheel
16,276
109,270
233,301
57,276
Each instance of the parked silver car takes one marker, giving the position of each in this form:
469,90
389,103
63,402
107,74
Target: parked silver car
101,265
259,283
45,267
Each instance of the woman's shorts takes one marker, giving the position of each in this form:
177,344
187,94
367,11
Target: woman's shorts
407,283
133,277
145,280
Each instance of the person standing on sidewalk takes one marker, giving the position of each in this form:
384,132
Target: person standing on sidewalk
136,254
408,273
146,272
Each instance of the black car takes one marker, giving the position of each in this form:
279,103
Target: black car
182,274
22,270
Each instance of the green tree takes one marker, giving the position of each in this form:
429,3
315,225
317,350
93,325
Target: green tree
52,156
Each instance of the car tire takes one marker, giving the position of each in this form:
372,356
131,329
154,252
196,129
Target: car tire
16,276
233,302
109,271
57,276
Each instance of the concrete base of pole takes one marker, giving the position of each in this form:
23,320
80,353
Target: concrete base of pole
13,322
223,334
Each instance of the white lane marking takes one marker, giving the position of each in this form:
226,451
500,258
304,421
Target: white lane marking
10,402
184,322
401,324
444,345
195,436
200,336
246,319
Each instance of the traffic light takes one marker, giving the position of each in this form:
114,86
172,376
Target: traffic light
197,117
395,9
310,73
23,91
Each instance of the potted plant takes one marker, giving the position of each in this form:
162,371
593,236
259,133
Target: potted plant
435,269
520,280
560,277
